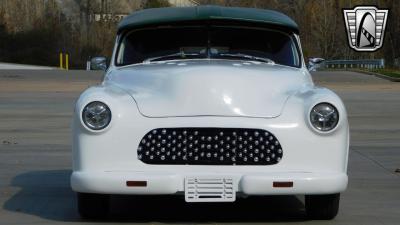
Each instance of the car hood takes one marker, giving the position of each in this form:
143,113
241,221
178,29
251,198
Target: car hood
209,87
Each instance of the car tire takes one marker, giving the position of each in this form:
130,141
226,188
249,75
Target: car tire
93,206
322,207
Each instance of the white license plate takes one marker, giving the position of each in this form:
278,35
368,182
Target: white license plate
209,189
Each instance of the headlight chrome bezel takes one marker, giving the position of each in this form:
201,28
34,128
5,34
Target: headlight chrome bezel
90,126
318,128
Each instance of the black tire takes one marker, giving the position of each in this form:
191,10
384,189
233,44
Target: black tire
93,206
322,207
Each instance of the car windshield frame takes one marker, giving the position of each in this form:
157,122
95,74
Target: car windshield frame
208,56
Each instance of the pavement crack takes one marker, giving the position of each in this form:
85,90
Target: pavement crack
376,162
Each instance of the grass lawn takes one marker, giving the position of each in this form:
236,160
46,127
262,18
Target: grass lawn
388,72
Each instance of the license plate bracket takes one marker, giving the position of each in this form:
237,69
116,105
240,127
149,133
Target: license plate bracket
209,189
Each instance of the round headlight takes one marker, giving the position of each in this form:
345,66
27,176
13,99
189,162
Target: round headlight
96,115
324,117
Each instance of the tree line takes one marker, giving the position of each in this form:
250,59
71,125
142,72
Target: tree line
35,31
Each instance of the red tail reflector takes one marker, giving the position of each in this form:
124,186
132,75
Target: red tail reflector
136,183
282,184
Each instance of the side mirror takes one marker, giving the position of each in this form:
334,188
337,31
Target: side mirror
314,63
98,63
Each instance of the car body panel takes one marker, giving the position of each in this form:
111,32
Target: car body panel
112,152
306,151
209,87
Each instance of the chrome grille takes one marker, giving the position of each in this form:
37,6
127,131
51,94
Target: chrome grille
209,146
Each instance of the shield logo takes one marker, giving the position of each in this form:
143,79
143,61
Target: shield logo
365,27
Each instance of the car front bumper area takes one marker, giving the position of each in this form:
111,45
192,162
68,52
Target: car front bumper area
252,183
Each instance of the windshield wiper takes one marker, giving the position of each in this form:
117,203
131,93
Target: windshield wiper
178,55
245,56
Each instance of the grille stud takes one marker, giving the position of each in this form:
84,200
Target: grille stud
209,146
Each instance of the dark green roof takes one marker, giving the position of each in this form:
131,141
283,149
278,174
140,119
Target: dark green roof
158,16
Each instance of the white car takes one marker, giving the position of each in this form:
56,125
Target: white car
210,103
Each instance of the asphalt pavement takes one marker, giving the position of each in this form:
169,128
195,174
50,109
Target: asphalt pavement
35,159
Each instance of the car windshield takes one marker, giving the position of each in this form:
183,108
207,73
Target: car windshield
235,43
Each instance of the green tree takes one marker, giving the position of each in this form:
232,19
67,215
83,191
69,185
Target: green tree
155,4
